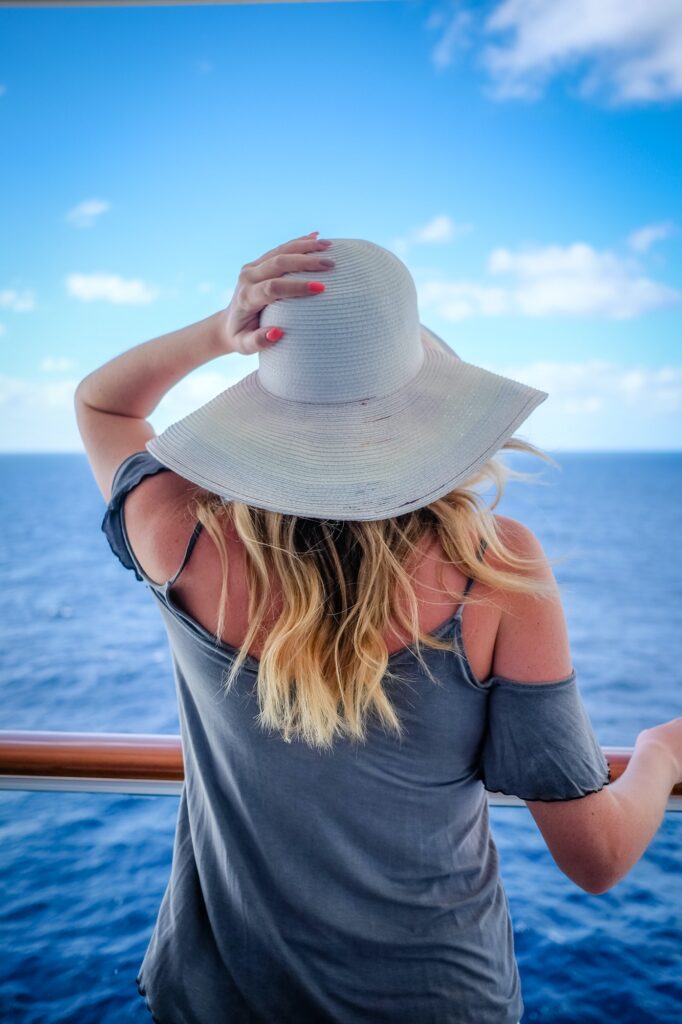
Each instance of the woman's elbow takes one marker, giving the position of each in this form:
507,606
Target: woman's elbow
597,886
584,839
597,875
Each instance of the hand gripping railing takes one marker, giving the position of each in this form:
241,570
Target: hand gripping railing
149,764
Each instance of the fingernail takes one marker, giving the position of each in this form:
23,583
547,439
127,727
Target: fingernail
327,263
274,334
315,286
312,234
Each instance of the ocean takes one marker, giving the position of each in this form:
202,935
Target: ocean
84,649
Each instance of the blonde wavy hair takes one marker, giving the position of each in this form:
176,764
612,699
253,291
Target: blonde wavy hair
322,666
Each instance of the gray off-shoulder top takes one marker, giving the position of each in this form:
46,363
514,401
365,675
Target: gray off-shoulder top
359,884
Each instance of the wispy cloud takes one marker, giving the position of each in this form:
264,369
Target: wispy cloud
597,385
456,34
56,364
629,52
438,230
642,239
19,302
195,390
37,415
552,280
18,391
110,288
85,214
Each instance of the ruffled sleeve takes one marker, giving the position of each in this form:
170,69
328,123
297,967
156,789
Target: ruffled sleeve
539,743
132,470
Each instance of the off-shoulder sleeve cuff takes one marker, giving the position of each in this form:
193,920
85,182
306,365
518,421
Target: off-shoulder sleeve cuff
132,470
539,743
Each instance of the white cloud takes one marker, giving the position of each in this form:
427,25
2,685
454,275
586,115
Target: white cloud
630,51
438,230
110,288
2,328
32,394
642,239
456,35
552,280
85,214
194,390
38,415
19,302
458,300
596,385
55,364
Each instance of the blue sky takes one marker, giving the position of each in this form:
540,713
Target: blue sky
523,160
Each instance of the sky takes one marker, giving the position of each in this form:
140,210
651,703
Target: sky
523,159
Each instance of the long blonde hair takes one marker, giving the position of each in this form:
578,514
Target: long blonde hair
321,669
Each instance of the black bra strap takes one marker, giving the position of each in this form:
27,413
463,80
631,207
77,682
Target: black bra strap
188,552
481,551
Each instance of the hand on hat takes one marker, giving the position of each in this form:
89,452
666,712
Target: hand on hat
261,283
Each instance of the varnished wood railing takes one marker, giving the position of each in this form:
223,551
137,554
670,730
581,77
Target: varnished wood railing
146,764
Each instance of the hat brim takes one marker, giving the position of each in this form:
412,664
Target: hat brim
362,460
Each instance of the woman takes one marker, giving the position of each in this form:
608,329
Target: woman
306,533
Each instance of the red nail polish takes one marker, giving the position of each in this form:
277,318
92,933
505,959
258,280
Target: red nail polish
315,286
274,334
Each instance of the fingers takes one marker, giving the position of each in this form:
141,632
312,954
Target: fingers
265,283
254,341
256,296
286,263
296,245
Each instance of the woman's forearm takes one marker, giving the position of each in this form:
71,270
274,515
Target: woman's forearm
637,804
134,383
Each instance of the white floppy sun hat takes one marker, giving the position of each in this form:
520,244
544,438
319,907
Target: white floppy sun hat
359,412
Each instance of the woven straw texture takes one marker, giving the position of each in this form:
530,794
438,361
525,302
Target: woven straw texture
360,412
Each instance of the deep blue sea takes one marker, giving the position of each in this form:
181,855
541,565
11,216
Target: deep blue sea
84,649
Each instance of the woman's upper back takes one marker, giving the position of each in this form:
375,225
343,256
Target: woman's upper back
197,590
507,634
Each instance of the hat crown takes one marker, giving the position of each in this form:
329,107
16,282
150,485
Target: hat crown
357,340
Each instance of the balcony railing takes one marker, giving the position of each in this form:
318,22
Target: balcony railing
149,764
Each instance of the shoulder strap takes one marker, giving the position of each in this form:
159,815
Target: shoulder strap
481,551
190,547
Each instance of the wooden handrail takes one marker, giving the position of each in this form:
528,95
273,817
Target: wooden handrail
93,754
149,763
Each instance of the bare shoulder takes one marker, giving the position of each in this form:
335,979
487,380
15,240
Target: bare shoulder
532,643
518,537
159,523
